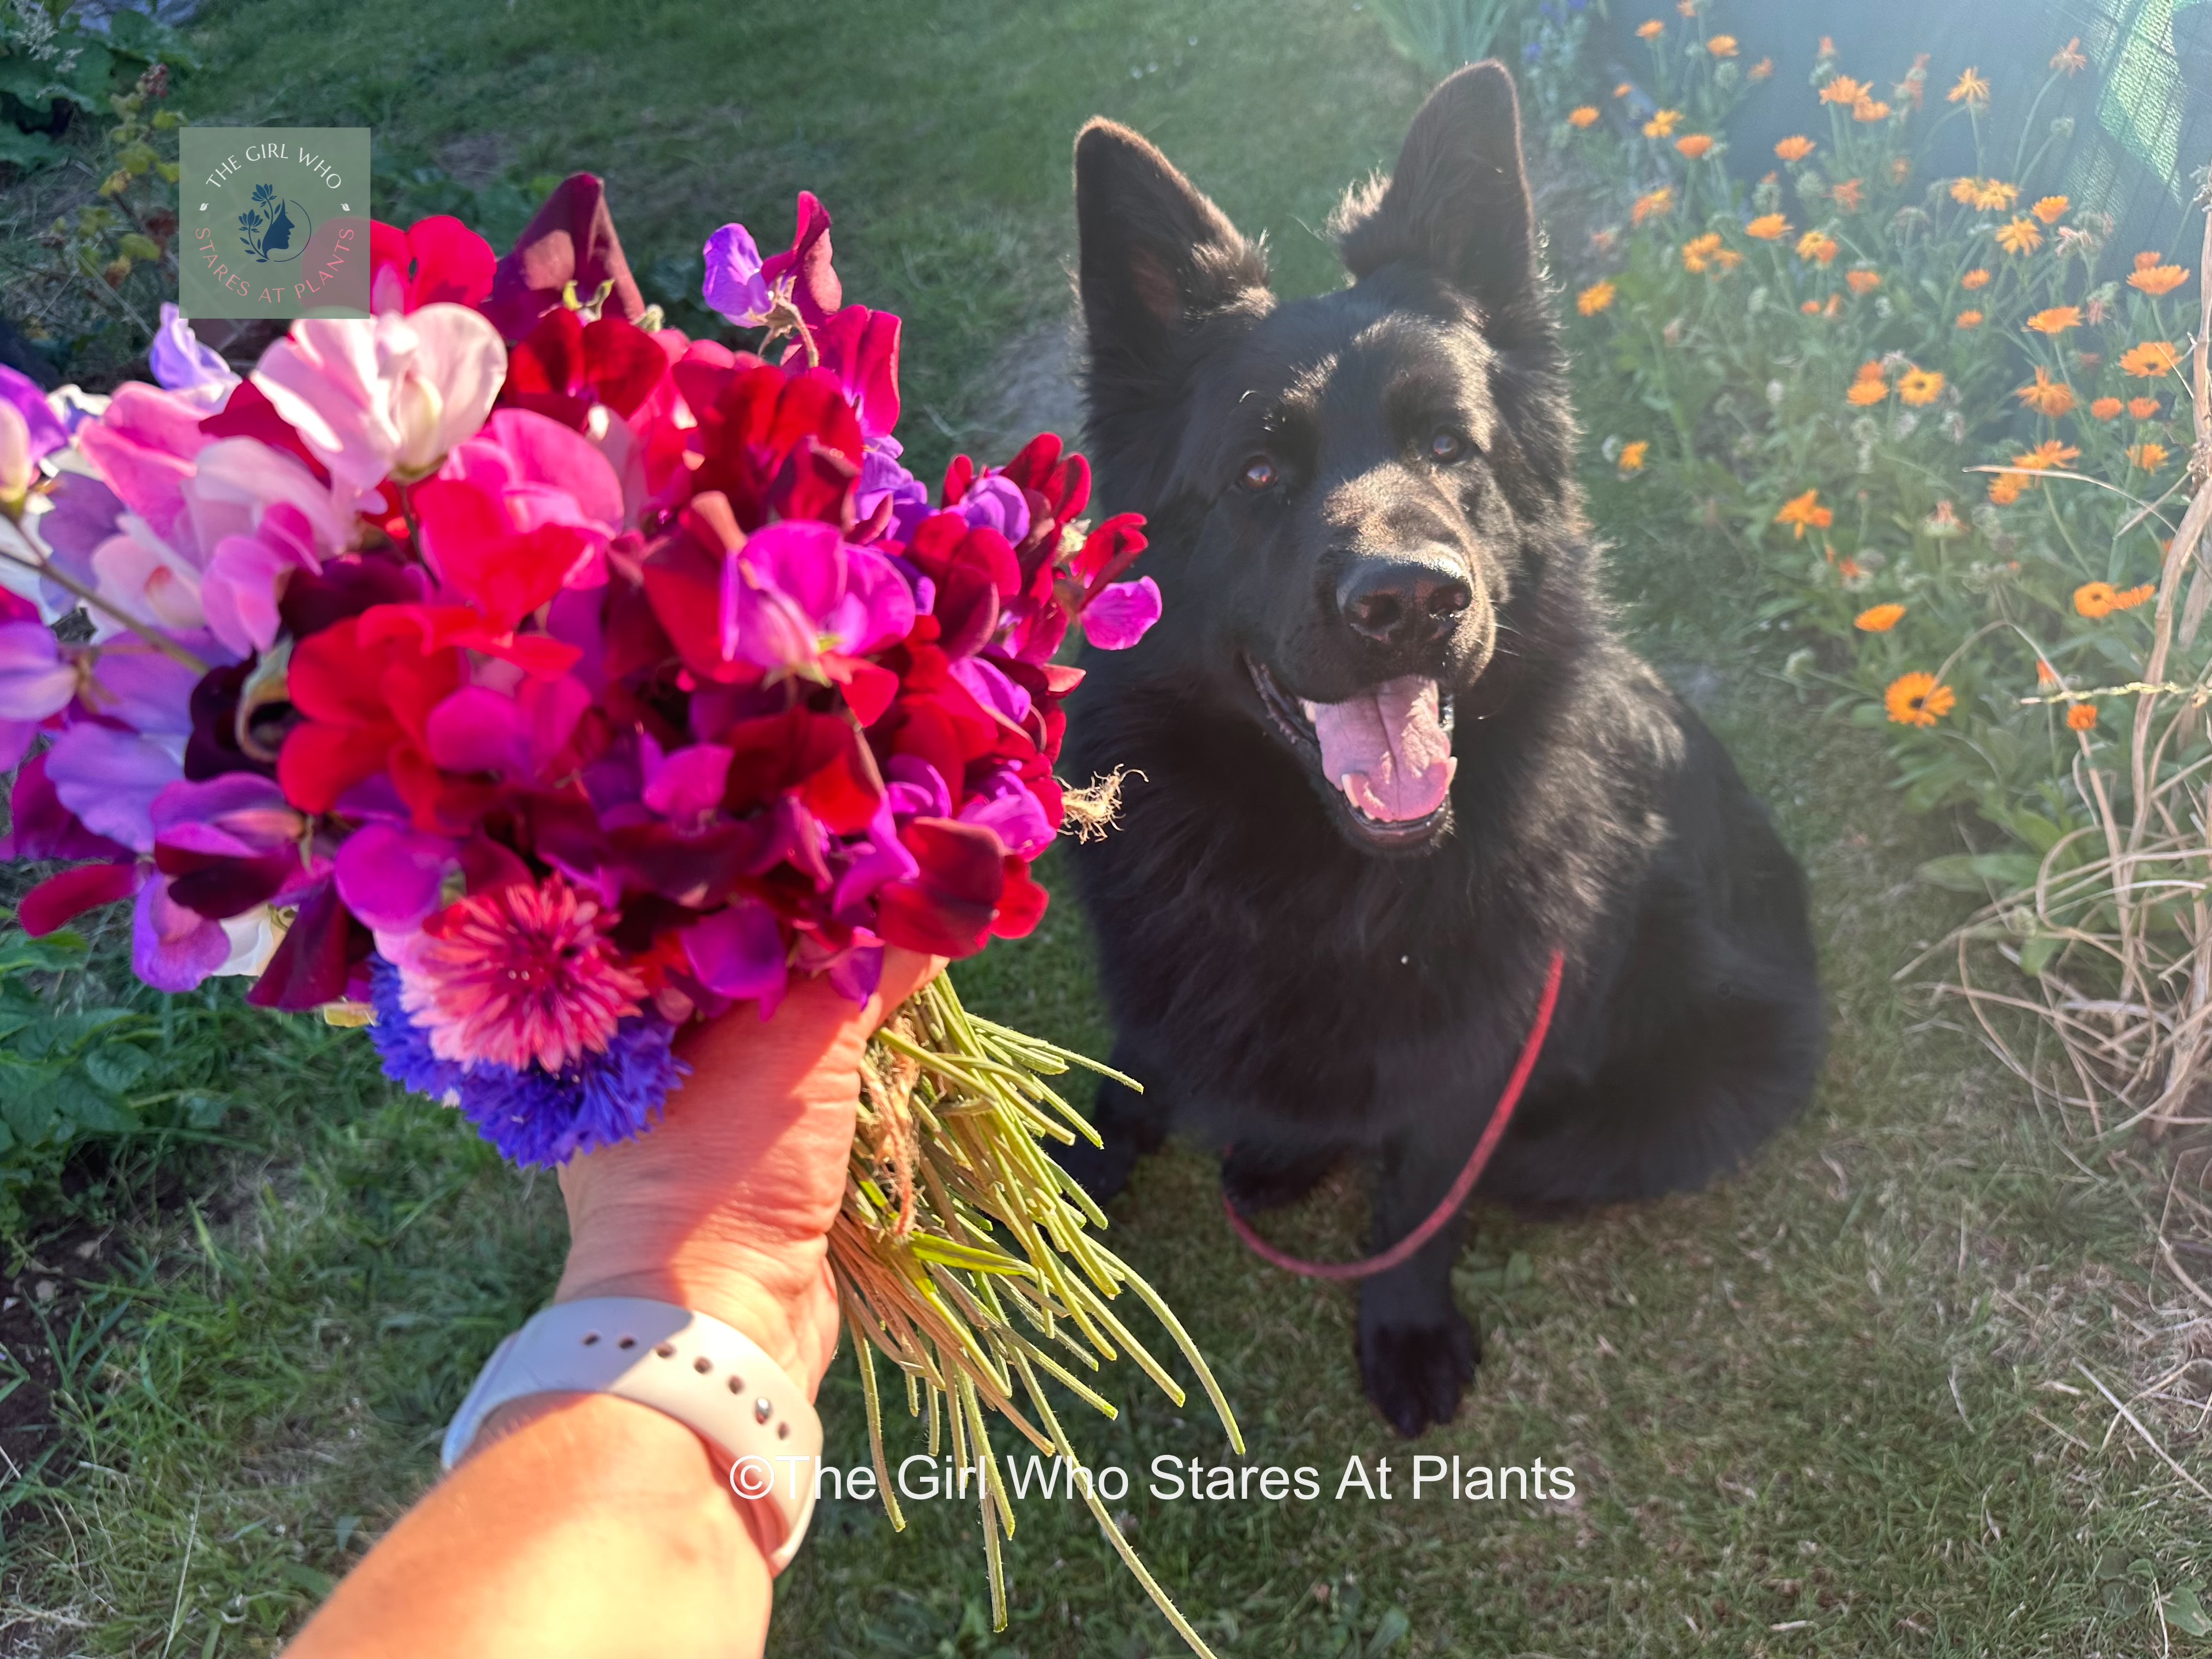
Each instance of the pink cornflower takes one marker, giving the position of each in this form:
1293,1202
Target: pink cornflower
515,974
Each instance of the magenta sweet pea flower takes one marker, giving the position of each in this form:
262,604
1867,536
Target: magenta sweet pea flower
739,953
796,592
1121,613
173,948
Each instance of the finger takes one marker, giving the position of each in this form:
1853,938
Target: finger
905,972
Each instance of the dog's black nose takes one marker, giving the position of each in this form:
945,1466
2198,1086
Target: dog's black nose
1402,601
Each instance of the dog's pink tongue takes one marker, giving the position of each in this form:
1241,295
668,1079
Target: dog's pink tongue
1387,749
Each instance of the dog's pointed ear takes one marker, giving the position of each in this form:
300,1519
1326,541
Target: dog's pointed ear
1458,202
1157,258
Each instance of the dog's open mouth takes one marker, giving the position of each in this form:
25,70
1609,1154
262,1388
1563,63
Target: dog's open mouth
1386,753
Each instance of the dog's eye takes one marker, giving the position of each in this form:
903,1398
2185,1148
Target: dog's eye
1447,446
1259,474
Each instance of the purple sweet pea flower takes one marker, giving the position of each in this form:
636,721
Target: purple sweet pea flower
990,686
913,789
734,286
1002,804
40,827
797,590
109,778
229,845
182,364
686,787
81,513
43,432
998,503
36,681
737,952
1121,613
882,474
173,948
875,859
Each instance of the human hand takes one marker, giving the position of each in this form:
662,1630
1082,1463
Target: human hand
724,1208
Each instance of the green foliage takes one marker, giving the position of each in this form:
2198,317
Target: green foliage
1440,35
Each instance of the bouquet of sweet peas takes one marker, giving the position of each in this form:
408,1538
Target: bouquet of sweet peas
522,679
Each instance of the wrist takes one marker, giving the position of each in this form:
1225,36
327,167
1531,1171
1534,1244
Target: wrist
719,1292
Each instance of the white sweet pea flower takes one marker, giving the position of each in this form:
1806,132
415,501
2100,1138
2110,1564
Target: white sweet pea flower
387,395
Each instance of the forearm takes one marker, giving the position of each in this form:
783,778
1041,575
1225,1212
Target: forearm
581,1524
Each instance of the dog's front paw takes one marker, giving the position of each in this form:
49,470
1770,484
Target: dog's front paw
1100,1171
1418,1373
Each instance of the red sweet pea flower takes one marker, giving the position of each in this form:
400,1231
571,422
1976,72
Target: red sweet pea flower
860,347
778,444
565,365
970,888
438,261
365,700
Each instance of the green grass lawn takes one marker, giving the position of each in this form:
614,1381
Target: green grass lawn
1831,1407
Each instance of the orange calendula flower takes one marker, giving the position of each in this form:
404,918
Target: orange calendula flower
1900,168
1727,260
2005,488
1814,245
1584,116
2148,457
2106,409
2151,359
2047,454
1695,145
1963,190
1970,320
1651,30
1722,45
2018,236
1849,194
1811,307
1768,228
2081,716
1993,195
1863,281
1795,148
1972,88
1916,699
1974,279
1594,299
1805,512
1879,619
2097,600
1697,252
2050,210
1864,392
1632,454
2155,279
2055,320
2047,396
1870,110
1662,123
1845,91
1919,386
2068,58
1622,90
1760,70
1659,201
2142,408
2044,673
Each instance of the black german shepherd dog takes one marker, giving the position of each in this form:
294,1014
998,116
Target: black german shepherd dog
1388,752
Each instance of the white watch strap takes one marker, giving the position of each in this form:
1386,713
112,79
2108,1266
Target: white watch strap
715,1380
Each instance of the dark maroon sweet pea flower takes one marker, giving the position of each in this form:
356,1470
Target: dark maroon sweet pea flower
802,271
231,843
571,240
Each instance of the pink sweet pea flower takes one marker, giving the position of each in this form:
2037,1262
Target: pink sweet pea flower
544,473
393,395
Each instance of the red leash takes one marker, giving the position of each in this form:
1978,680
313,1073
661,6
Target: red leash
1477,1161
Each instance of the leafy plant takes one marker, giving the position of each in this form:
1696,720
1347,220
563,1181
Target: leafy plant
1440,35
